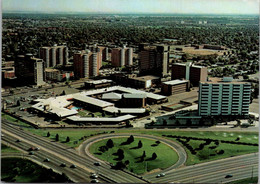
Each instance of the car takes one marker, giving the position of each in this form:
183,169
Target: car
73,166
31,153
97,164
94,176
63,165
160,175
94,181
229,176
18,140
37,149
46,160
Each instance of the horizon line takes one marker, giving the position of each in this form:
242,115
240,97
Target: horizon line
156,13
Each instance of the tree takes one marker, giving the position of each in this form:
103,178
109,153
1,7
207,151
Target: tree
57,137
189,122
120,152
18,103
164,122
127,162
177,122
110,143
154,156
143,155
103,114
120,165
130,139
68,139
48,134
63,93
140,144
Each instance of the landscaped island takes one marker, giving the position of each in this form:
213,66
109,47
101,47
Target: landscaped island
138,155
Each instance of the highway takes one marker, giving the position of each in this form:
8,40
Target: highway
52,150
240,167
210,172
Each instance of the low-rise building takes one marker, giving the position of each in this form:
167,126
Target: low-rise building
175,87
98,84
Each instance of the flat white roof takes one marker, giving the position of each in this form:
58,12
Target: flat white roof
125,110
175,82
99,81
184,64
116,119
124,90
112,96
56,106
90,100
134,95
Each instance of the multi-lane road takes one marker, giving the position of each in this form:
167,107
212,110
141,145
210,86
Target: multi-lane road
67,155
239,167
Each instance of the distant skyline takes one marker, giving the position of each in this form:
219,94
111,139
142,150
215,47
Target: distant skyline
134,6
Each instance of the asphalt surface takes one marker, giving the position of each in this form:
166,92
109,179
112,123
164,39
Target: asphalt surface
60,153
213,172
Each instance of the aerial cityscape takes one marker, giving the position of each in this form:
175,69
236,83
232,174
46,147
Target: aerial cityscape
141,91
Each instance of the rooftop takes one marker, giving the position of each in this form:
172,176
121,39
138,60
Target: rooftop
98,81
215,80
134,95
175,82
112,96
103,120
146,77
184,64
90,100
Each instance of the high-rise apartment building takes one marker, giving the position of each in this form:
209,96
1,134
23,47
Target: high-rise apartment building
190,72
30,70
224,97
153,59
55,55
122,56
87,63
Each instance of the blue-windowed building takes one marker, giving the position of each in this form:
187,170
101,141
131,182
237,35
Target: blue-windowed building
224,97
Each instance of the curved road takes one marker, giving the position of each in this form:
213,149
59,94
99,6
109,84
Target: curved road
84,147
52,149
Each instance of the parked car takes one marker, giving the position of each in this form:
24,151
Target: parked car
73,166
94,176
46,160
229,176
63,165
94,181
97,164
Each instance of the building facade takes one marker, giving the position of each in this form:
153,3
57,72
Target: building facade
30,70
190,72
174,87
87,63
222,97
122,56
153,59
55,55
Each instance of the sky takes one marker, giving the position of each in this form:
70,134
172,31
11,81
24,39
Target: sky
136,6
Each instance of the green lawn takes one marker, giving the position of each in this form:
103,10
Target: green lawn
246,181
7,149
25,171
77,136
166,156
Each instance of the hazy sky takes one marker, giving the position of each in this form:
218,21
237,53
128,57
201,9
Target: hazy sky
136,6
